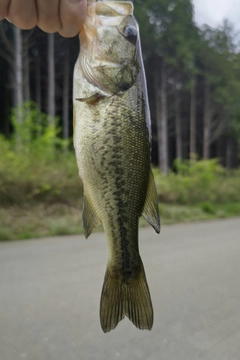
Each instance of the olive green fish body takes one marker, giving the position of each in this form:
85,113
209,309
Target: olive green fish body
112,144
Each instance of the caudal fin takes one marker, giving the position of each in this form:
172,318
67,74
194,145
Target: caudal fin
130,298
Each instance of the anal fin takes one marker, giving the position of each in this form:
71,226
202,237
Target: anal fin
89,217
150,210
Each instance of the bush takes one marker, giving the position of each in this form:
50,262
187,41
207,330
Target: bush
203,181
41,193
35,164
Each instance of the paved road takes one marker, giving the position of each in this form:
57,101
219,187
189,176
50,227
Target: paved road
50,289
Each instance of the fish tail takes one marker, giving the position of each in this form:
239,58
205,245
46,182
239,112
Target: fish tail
130,298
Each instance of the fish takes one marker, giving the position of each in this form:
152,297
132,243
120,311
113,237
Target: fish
112,141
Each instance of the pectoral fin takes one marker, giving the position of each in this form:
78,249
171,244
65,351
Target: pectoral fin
89,217
91,99
90,93
150,211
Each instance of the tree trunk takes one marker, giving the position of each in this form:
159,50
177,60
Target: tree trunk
26,79
38,97
193,149
162,124
6,103
178,125
238,151
18,70
66,96
206,122
51,79
229,154
158,118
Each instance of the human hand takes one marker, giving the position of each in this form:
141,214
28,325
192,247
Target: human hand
63,16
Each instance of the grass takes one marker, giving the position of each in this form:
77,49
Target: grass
39,220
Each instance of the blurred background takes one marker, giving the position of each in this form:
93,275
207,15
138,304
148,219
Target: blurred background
192,60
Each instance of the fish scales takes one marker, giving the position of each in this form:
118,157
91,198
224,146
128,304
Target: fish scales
112,144
113,147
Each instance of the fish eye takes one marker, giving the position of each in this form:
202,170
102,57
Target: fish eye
130,33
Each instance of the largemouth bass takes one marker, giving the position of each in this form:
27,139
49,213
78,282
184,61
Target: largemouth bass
112,143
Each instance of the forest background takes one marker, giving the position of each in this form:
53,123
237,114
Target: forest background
193,77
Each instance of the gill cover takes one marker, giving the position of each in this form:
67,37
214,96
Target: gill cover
109,41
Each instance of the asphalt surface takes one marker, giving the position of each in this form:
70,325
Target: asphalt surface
50,291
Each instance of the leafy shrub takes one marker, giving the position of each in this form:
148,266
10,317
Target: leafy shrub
198,182
34,164
207,207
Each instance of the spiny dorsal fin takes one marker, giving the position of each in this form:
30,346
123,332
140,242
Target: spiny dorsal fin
150,211
89,217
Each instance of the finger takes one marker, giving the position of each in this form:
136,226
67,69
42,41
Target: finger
4,5
23,13
72,15
48,15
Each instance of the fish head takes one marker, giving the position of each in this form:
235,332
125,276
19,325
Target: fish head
109,41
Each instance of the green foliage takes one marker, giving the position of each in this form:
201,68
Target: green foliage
198,182
41,193
207,207
35,133
235,127
168,30
218,64
36,165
